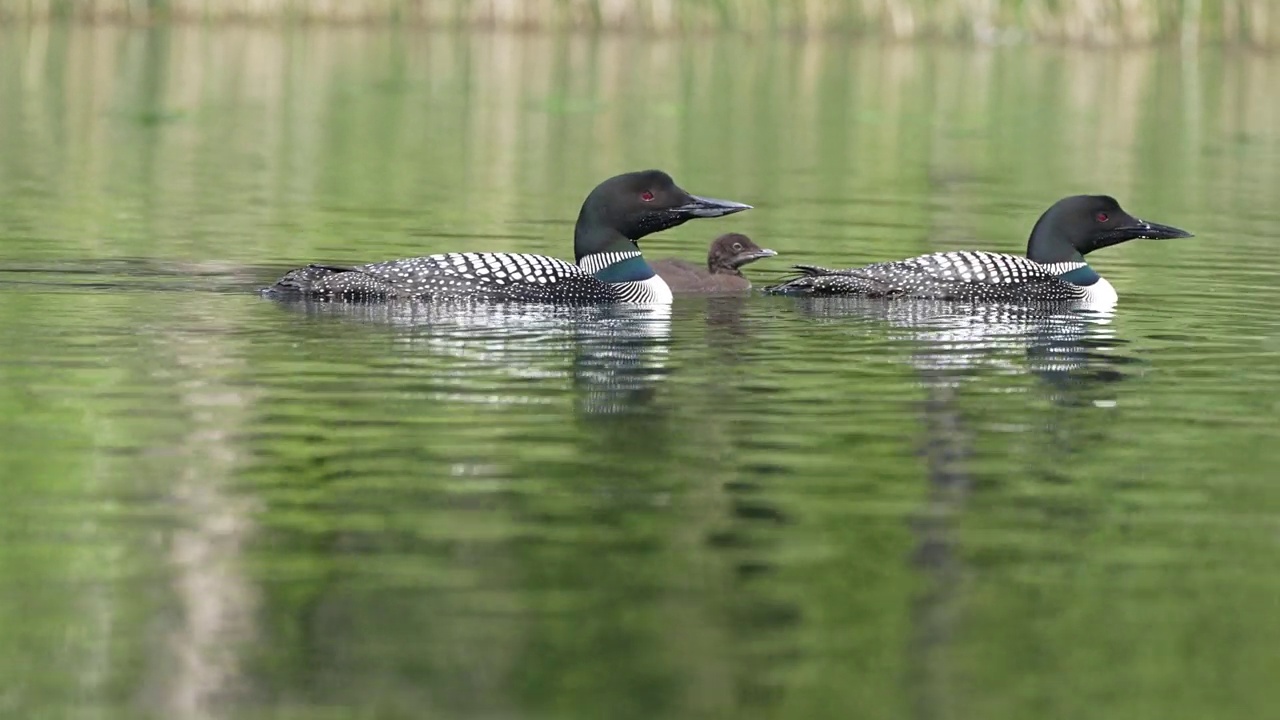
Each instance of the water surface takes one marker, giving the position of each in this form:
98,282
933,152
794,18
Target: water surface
221,506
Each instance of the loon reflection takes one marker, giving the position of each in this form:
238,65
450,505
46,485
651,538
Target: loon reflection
1061,346
616,354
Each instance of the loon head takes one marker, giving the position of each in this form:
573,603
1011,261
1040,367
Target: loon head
625,208
733,250
1076,226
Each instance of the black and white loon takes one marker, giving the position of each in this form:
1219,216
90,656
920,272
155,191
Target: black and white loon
609,269
1054,269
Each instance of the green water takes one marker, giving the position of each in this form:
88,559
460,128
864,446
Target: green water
216,506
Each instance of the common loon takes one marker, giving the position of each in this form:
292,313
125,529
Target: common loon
609,269
1054,269
721,273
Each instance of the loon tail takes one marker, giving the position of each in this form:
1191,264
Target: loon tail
815,280
303,280
812,270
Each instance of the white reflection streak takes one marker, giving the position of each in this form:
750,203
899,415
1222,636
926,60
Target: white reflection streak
615,347
961,336
217,601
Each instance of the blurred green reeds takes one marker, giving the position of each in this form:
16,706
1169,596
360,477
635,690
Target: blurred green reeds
1248,22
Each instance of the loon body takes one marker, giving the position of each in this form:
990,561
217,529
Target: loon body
721,274
1053,271
609,266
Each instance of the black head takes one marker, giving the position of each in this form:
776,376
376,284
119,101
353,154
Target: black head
733,250
1076,226
627,207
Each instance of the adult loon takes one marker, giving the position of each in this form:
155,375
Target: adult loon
721,273
1054,269
609,269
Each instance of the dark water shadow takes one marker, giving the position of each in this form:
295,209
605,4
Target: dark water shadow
718,322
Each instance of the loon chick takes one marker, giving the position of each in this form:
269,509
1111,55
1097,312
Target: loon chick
609,269
1054,269
721,274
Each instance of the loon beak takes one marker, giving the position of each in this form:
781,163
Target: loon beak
751,256
1151,231
709,207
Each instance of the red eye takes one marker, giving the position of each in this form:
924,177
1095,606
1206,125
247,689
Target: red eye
1101,217
646,196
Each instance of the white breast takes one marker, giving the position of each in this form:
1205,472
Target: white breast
1100,295
656,291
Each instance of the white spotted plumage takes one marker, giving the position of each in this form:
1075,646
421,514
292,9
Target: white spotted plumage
974,275
495,276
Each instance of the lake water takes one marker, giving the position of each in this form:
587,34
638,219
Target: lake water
218,506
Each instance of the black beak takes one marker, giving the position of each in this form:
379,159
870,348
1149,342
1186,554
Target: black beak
709,207
1150,231
751,256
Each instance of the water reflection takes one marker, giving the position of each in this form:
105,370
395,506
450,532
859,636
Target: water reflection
309,129
956,350
952,342
588,515
618,353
